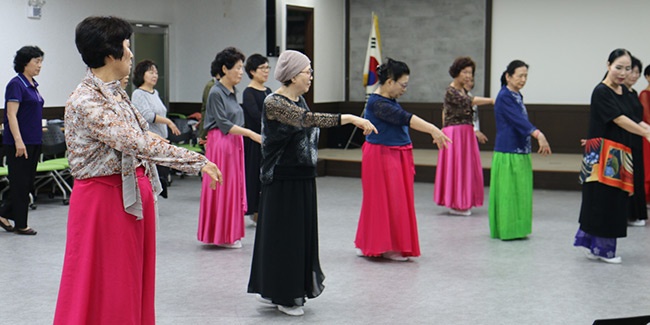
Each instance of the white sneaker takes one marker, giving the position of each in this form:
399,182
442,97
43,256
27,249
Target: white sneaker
265,302
460,212
236,244
359,252
613,260
636,223
395,256
292,311
588,253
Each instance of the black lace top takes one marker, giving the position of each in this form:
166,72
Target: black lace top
290,138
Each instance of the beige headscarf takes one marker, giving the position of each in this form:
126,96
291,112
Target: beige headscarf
289,65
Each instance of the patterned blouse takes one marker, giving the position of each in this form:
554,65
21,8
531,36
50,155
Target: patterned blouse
290,138
457,107
106,135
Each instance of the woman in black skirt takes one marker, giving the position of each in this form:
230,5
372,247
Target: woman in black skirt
286,268
257,68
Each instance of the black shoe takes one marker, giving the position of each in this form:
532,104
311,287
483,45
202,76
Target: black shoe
28,231
7,228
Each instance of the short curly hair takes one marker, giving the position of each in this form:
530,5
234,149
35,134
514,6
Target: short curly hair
24,55
99,37
461,63
228,58
140,69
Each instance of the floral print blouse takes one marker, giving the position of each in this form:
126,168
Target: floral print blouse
106,135
457,107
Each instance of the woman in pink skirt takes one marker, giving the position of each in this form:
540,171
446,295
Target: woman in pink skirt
221,213
387,224
109,265
459,175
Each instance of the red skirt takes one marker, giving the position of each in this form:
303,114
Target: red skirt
387,221
459,175
110,257
221,213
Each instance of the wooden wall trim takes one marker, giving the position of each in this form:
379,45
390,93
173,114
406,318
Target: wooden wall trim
563,125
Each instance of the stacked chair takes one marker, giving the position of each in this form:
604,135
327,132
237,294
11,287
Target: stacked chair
53,168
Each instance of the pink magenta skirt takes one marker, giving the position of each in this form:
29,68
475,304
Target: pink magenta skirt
387,221
221,213
110,256
459,175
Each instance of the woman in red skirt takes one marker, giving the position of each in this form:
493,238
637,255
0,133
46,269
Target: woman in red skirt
109,264
387,224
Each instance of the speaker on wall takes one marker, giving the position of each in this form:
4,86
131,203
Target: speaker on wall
272,49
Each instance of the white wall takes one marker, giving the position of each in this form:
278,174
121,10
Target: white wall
566,44
329,45
198,29
54,34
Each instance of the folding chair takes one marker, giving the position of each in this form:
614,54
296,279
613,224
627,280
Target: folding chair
52,171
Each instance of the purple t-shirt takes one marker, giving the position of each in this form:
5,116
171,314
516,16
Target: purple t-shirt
30,110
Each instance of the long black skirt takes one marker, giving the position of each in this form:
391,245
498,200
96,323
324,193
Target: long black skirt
286,268
252,159
638,211
604,210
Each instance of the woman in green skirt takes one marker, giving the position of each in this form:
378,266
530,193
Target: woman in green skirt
511,177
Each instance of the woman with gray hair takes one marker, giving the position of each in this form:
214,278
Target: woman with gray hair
286,268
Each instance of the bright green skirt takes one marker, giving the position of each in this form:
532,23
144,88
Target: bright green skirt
511,196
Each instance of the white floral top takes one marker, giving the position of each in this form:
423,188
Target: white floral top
106,135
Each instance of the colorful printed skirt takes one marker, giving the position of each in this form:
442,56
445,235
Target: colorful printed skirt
459,175
110,257
221,213
387,221
511,196
607,188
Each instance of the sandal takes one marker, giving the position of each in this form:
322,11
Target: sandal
6,226
28,231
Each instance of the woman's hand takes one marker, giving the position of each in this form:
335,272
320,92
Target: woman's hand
213,171
544,147
255,137
21,150
482,138
172,126
363,124
440,139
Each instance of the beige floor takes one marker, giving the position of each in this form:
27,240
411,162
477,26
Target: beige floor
462,278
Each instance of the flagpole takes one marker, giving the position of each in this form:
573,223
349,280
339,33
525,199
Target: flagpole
355,129
373,57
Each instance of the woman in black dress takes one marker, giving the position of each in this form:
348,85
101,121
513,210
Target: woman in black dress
607,172
257,68
286,268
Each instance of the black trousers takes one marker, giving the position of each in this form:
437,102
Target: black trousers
21,181
163,175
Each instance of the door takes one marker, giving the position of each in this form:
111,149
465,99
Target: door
300,37
150,41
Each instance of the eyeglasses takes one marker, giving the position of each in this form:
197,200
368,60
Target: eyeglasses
404,85
265,68
309,72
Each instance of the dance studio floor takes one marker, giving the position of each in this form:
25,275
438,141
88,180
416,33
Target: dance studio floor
462,277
